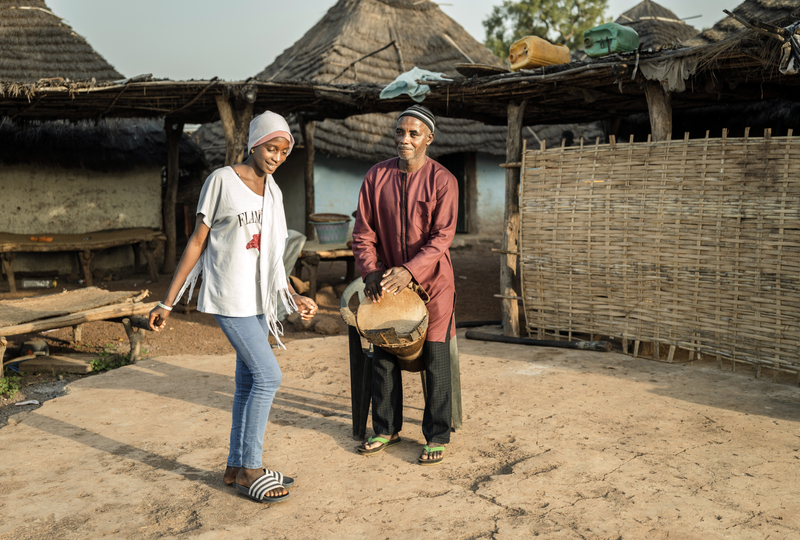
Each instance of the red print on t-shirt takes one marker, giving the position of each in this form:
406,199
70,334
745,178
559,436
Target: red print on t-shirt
254,243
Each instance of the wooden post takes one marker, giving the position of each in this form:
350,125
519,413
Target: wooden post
3,344
508,265
8,266
659,105
236,125
308,139
174,132
136,336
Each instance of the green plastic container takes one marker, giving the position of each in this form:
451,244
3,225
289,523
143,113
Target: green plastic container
610,38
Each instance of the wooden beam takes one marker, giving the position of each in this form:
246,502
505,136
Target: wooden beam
308,140
508,264
174,133
236,125
659,105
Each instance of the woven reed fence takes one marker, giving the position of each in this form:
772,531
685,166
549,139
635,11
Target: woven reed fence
694,244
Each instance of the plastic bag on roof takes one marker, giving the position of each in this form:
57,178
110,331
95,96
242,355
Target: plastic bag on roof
406,83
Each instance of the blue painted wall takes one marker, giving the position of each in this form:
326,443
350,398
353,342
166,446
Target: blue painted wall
337,182
491,193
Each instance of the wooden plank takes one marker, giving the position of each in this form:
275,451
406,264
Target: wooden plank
62,364
93,315
335,254
22,243
508,264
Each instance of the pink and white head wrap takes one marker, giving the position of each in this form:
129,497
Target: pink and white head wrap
267,126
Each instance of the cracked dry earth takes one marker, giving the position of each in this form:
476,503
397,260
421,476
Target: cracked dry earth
556,444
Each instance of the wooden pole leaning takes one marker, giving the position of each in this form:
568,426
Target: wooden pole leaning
508,264
174,133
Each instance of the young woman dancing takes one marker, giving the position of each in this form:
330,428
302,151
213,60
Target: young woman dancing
237,246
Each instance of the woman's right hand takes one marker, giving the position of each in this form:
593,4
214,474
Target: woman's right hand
158,318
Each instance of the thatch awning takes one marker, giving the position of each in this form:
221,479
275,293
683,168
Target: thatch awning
743,69
188,101
613,86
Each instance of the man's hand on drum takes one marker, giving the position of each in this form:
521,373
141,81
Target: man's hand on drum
396,279
306,307
372,286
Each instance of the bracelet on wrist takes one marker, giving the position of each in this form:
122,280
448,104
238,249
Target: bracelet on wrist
164,306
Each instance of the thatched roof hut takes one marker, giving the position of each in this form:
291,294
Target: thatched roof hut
35,43
374,41
777,12
656,25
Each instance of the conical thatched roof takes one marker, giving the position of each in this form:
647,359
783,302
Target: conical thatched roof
37,44
423,36
656,25
777,12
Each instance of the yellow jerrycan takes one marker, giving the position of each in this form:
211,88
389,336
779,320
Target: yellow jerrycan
532,52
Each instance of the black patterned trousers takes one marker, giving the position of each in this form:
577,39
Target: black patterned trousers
387,392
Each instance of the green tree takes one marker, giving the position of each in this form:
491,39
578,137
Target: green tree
560,21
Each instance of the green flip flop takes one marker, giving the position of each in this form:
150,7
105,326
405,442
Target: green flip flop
385,443
429,450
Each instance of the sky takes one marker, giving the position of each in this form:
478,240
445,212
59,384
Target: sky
236,39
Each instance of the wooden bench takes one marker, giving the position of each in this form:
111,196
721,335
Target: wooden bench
143,241
314,253
74,309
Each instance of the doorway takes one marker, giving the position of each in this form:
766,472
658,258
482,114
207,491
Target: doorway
462,165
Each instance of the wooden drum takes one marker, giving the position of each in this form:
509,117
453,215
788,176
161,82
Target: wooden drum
398,323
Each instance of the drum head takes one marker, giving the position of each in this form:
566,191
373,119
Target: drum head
402,311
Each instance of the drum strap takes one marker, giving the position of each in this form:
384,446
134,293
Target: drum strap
420,290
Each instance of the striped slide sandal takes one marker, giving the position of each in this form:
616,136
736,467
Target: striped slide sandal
258,490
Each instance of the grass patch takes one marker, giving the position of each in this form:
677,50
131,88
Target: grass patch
109,359
9,384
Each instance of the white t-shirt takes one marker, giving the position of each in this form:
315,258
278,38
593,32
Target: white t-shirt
231,277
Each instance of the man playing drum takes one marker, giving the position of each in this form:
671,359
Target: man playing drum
405,223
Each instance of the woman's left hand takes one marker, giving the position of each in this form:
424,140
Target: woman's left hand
306,307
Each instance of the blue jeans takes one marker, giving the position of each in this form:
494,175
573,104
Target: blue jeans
258,377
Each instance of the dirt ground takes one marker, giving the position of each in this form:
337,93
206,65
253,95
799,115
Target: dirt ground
198,333
555,444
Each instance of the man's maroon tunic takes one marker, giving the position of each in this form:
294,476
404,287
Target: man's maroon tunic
409,220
